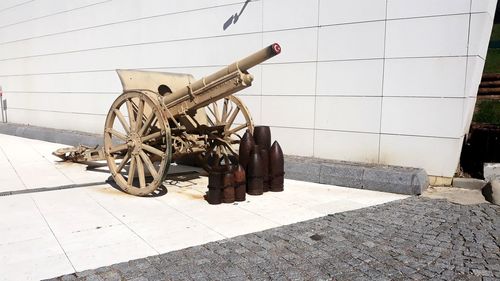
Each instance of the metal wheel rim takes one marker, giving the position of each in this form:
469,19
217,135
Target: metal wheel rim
133,141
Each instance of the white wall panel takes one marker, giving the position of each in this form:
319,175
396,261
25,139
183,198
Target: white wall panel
299,45
469,106
420,8
430,77
353,78
201,52
287,14
358,114
289,79
90,82
488,6
290,111
40,8
438,156
480,32
294,141
345,146
9,4
438,117
156,29
69,121
111,12
351,41
72,103
475,66
348,11
422,37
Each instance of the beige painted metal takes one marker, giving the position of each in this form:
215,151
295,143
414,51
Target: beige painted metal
146,130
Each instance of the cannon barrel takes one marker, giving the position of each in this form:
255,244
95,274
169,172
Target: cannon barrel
239,66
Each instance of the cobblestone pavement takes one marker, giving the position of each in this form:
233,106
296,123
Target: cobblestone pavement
412,239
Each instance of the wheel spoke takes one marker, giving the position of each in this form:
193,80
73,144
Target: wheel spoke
116,133
117,148
123,163
217,112
152,136
131,172
224,110
130,110
122,120
149,164
232,117
236,129
140,170
153,150
140,111
147,123
213,113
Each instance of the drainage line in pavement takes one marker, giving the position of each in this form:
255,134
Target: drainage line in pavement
43,189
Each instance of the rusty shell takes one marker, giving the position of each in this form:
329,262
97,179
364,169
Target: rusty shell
246,146
276,168
214,196
228,183
264,155
239,183
262,136
255,181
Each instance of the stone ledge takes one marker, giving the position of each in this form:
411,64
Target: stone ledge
402,180
67,137
393,179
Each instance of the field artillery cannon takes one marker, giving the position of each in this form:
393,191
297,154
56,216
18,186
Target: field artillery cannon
161,117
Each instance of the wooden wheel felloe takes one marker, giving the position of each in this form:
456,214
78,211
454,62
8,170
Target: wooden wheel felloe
137,143
231,114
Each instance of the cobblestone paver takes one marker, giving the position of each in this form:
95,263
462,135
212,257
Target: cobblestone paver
411,239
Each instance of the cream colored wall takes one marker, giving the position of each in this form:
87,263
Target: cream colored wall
380,81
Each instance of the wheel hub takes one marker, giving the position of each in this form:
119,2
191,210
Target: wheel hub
134,143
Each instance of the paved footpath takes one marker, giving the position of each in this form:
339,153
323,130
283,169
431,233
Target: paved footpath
410,239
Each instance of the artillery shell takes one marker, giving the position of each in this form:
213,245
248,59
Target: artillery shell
255,184
215,186
262,136
264,155
246,145
239,183
276,168
228,183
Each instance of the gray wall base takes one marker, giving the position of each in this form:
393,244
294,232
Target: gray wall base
393,179
402,180
72,138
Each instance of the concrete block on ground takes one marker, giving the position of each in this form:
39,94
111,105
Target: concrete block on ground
491,191
393,179
469,183
491,171
67,137
342,175
302,168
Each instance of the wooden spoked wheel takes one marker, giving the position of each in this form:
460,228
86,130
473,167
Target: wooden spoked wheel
137,143
235,118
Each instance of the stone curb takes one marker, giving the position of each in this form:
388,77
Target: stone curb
402,180
67,137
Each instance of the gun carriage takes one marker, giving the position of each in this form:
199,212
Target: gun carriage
161,117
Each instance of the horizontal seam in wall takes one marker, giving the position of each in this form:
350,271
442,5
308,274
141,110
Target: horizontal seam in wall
55,111
213,66
54,14
214,7
16,5
123,21
360,132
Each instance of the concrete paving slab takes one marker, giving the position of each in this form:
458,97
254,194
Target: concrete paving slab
63,231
